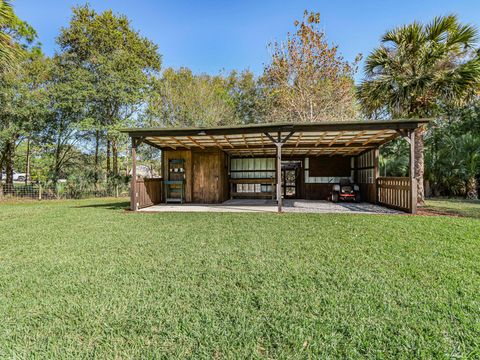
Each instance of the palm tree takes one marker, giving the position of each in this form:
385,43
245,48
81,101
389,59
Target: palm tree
416,69
8,51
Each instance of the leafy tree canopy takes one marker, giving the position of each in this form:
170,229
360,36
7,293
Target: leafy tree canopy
307,80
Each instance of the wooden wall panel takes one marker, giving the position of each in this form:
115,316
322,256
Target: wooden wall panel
317,191
205,177
368,193
224,184
366,173
210,176
206,174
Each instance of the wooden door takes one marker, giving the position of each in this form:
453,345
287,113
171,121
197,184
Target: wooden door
206,177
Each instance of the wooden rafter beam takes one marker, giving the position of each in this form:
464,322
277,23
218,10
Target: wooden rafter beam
162,143
320,139
285,139
376,136
336,138
280,140
306,146
298,139
271,138
228,142
356,137
351,152
148,142
391,138
334,152
179,142
195,142
216,142
245,140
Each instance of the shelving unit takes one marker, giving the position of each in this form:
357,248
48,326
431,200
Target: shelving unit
175,185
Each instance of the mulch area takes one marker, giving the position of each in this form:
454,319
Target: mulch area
430,212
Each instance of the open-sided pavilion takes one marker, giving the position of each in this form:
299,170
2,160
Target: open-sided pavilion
277,161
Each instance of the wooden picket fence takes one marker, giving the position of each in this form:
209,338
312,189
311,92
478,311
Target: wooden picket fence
396,193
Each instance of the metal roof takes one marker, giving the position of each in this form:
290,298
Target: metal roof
328,138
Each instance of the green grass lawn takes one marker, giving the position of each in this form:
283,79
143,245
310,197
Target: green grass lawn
462,207
85,279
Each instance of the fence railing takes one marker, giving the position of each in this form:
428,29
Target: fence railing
38,191
396,193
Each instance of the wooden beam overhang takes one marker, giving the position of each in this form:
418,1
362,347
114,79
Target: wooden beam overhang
279,138
228,142
356,137
160,145
314,136
379,134
195,142
336,137
321,138
282,128
179,142
298,139
305,146
244,140
333,152
216,142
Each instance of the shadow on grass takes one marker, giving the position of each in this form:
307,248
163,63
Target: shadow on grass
107,206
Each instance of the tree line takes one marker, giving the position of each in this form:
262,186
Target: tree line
60,115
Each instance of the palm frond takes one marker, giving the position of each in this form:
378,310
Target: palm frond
459,84
5,11
8,51
438,29
464,35
378,59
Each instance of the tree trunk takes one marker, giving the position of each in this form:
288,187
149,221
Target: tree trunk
56,170
472,192
2,159
108,157
9,155
1,172
97,144
115,157
27,162
419,162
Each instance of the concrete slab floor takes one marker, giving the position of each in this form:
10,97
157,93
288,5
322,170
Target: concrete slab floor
290,205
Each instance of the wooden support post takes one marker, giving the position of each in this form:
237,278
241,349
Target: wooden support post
133,184
413,182
279,176
279,143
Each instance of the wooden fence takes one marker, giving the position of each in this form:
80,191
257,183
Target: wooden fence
149,192
396,193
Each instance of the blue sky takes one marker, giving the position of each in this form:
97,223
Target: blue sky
210,36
